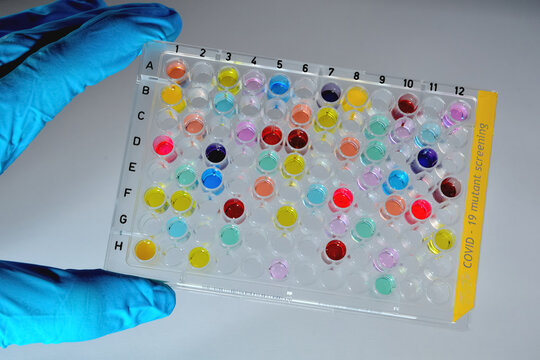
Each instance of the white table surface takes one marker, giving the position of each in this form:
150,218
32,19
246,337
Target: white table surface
57,199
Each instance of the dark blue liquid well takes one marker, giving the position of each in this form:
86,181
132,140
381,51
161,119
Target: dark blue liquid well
330,92
215,153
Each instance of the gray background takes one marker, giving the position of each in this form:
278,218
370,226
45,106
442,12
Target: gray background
57,199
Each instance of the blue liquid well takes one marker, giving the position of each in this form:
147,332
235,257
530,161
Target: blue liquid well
427,157
330,92
215,152
279,84
316,194
176,227
224,101
398,179
212,178
430,133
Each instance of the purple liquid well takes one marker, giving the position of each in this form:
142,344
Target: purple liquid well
246,131
387,259
279,269
457,113
339,226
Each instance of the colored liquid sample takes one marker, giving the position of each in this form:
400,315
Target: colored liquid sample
458,112
246,132
330,92
279,84
229,235
215,153
227,77
387,259
395,205
442,240
408,103
163,145
254,81
297,139
378,126
384,285
271,135
375,151
403,130
338,226
316,194
233,208
398,179
154,197
450,188
429,134
279,269
145,250
224,102
181,201
294,164
355,97
267,161
286,216
342,198
264,187
301,114
327,119
336,250
171,94
212,178
421,209
193,124
199,257
177,227
349,147
176,69
186,176
371,177
364,229
427,157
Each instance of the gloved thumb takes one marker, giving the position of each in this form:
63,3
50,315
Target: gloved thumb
47,305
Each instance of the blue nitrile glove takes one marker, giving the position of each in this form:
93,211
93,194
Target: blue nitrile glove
48,55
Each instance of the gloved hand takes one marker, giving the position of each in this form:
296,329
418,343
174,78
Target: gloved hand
48,55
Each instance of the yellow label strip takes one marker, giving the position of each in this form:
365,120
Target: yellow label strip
476,196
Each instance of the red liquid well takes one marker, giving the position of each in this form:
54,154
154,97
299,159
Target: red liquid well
343,198
421,209
271,135
297,138
233,208
336,250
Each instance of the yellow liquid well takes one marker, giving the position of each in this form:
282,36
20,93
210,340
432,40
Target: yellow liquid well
286,216
145,250
154,197
355,98
171,94
181,201
327,119
294,164
228,80
199,257
443,239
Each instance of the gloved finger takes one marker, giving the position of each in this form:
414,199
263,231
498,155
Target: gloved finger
17,46
45,13
47,305
35,91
